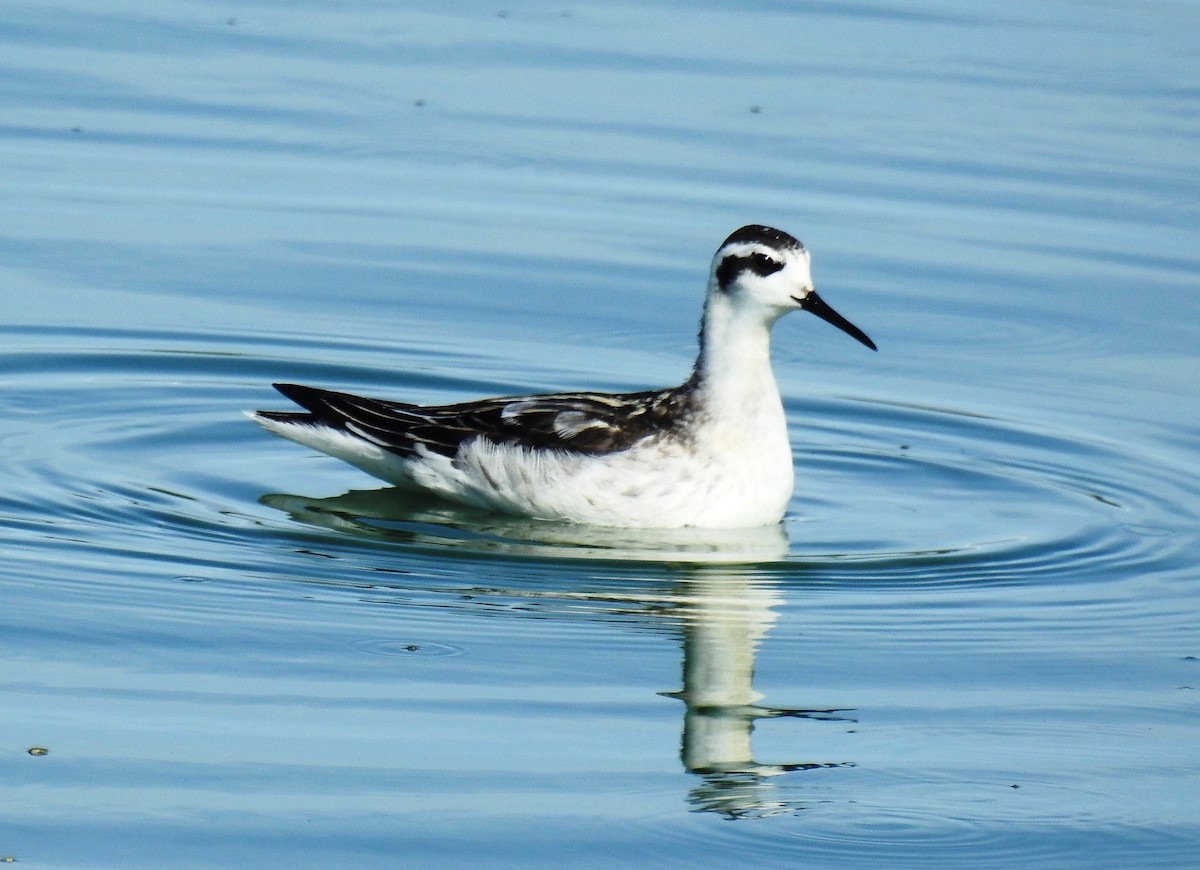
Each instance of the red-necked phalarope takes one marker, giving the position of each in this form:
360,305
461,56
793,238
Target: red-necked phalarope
712,452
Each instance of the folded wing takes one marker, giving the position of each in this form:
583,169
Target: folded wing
592,423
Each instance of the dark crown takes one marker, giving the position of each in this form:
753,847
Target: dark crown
769,236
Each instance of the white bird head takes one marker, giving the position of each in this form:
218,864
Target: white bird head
767,270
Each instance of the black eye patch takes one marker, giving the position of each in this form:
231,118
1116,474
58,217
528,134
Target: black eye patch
730,267
763,265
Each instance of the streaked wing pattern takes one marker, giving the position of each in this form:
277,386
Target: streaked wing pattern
592,423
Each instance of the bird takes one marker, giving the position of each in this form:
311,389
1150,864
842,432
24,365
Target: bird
712,452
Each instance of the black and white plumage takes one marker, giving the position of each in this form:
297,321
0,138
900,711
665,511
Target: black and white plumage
589,423
712,452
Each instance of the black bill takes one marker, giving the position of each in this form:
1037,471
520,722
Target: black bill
814,304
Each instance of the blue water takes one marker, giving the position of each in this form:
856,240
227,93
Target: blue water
973,641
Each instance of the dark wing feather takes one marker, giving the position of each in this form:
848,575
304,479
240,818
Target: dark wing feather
579,422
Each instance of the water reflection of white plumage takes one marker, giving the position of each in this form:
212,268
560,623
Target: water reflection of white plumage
723,607
416,518
725,615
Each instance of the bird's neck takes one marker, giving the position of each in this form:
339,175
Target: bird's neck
733,370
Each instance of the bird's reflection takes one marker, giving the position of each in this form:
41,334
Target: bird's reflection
396,514
721,604
725,616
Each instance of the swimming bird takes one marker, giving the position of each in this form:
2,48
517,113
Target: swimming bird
712,452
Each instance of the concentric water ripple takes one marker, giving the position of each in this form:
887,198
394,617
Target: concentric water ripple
953,497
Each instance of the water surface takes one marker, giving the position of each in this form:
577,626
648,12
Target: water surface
973,639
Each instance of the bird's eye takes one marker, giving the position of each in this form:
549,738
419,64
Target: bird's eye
761,264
